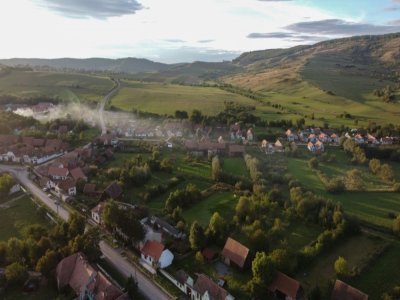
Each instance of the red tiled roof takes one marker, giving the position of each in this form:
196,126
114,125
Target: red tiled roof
89,188
285,285
65,185
54,171
204,283
343,291
77,173
113,190
153,249
75,271
235,251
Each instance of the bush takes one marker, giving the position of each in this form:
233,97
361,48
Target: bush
313,163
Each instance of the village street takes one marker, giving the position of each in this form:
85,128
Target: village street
145,285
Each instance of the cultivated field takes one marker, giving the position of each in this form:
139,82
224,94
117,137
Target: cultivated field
167,98
66,86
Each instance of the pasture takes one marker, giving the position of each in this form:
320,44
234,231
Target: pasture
20,213
235,166
69,87
372,207
222,202
165,99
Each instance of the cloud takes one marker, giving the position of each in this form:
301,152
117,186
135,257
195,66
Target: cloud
205,41
392,8
288,36
340,27
175,41
191,54
98,9
395,22
274,0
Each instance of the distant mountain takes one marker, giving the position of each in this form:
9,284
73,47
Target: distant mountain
124,65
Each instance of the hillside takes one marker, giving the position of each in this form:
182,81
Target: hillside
127,65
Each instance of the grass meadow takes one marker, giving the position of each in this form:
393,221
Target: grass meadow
167,98
66,86
21,212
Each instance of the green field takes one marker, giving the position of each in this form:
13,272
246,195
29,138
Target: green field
167,98
368,206
235,166
222,202
380,275
66,86
21,213
357,251
193,168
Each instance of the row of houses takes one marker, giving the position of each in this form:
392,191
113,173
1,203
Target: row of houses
313,135
30,150
270,148
368,138
206,147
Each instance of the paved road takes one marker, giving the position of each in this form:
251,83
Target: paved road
22,175
103,104
145,285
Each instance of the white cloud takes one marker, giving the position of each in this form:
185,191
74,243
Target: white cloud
29,30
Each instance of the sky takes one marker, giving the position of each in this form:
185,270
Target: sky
172,31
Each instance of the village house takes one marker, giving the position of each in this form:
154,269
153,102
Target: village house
291,137
317,147
372,140
87,283
155,255
386,140
335,138
359,139
78,174
97,212
90,189
113,191
66,188
250,135
203,289
235,132
343,291
286,288
278,146
164,226
234,253
57,173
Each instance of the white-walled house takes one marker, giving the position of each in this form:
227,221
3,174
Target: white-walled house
66,188
97,212
155,254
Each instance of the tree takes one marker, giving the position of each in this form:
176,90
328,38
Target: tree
313,163
374,165
77,224
396,225
216,227
16,250
34,231
280,258
386,172
243,208
264,272
131,287
197,237
341,266
354,180
199,258
16,273
216,168
47,263
196,116
6,182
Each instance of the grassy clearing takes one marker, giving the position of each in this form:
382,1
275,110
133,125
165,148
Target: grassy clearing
121,158
372,207
67,86
193,168
235,166
299,235
21,213
380,276
357,251
46,292
167,98
222,202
